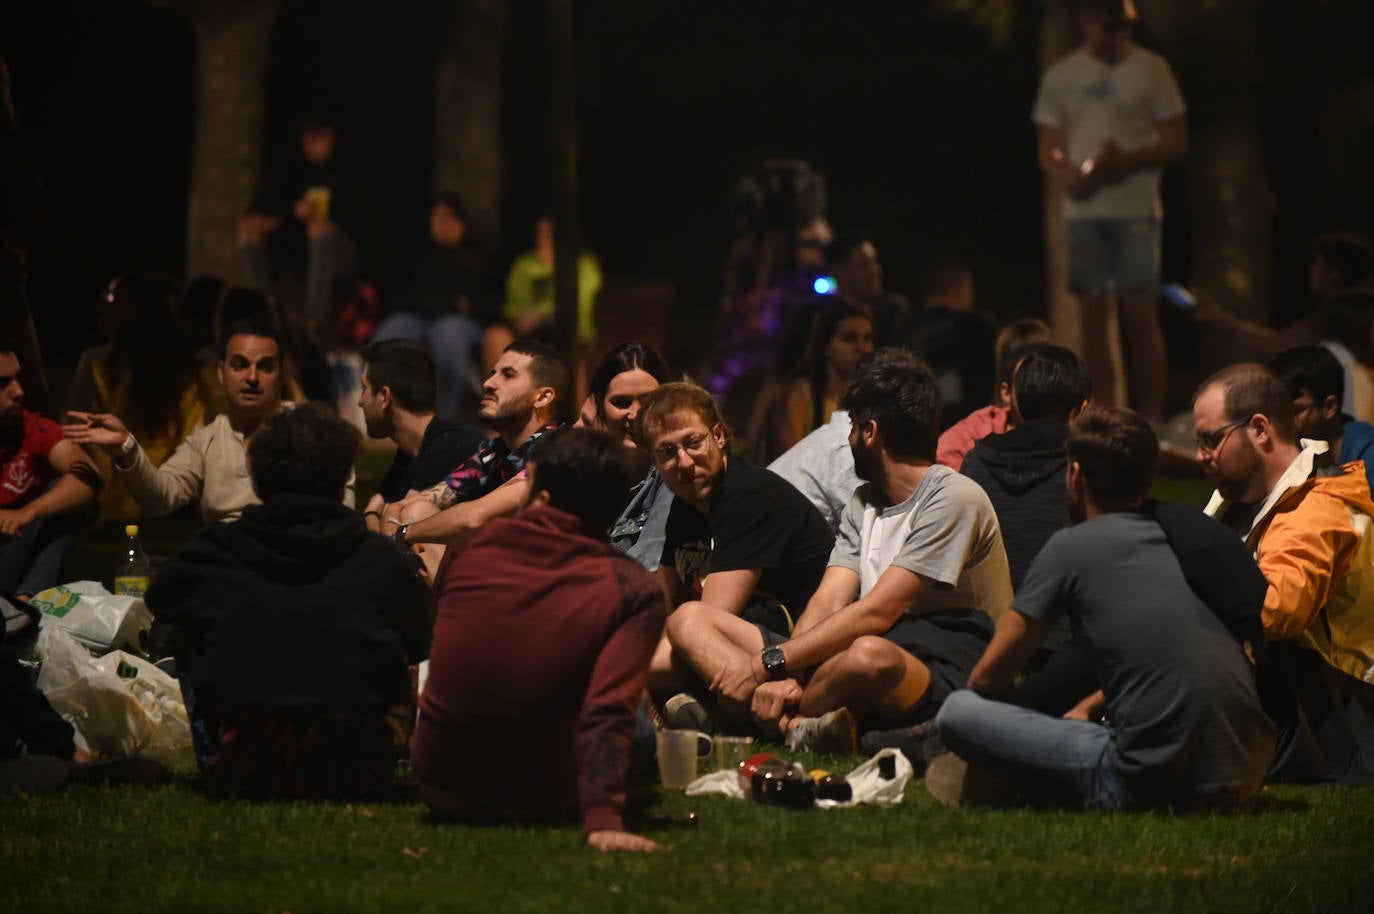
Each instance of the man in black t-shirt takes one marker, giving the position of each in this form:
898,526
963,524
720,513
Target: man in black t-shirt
739,538
397,400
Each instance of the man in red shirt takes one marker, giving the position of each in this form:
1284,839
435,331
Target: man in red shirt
540,649
41,475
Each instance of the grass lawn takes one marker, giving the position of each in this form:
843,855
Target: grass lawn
173,849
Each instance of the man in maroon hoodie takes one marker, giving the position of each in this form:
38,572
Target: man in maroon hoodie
541,645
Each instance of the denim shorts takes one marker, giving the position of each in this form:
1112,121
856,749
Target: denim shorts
1107,255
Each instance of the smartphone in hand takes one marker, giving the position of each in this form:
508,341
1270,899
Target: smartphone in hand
1178,296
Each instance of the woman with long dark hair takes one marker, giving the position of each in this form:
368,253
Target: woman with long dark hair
803,398
628,372
147,373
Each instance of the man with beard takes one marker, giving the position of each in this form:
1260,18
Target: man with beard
209,465
1310,527
41,476
1184,727
399,392
523,398
906,606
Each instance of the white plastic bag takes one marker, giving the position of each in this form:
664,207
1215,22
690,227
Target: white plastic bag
870,786
94,616
119,704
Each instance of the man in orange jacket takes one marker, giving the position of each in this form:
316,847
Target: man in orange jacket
1311,526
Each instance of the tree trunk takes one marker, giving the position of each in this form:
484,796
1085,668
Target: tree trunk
564,174
467,122
1347,125
1215,50
232,41
1058,37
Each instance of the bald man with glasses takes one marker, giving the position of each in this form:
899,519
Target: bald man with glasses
1311,527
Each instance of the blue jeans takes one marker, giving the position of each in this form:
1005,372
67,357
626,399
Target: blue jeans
451,340
1048,759
36,559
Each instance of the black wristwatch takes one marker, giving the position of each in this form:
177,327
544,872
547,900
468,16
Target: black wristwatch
400,534
774,662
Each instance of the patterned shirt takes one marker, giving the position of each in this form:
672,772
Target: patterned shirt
492,466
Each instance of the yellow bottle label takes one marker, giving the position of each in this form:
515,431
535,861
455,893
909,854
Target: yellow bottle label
131,585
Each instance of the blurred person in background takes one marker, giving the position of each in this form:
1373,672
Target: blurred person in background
147,373
804,398
444,305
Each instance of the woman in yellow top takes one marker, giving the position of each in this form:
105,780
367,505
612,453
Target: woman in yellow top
147,373
529,307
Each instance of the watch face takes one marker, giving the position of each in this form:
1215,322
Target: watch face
774,659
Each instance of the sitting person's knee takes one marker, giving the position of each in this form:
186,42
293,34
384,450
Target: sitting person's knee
876,659
686,620
956,709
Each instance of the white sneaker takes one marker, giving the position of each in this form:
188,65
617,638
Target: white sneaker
833,733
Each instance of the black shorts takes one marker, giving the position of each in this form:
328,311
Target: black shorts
770,617
949,644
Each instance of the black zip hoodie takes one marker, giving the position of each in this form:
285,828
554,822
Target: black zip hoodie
1022,471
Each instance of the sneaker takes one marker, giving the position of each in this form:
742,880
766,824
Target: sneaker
20,619
684,711
951,781
833,733
33,774
134,770
920,744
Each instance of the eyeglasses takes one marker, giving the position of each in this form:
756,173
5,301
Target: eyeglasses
1211,442
695,446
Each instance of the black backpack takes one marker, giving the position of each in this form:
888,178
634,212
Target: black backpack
1218,566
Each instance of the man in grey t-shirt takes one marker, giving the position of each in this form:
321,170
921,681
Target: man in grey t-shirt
906,605
1184,726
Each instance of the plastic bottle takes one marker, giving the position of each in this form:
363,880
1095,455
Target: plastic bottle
132,579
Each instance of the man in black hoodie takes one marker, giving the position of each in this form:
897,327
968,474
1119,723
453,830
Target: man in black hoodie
1022,470
293,629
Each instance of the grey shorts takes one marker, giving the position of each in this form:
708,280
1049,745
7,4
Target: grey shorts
1107,255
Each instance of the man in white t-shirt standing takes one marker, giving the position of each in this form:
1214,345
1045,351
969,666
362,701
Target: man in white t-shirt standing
1110,116
906,607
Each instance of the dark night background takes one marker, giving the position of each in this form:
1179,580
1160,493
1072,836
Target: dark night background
920,126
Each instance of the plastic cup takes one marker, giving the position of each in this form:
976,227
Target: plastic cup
679,752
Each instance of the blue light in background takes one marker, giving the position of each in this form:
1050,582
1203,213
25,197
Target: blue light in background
824,285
